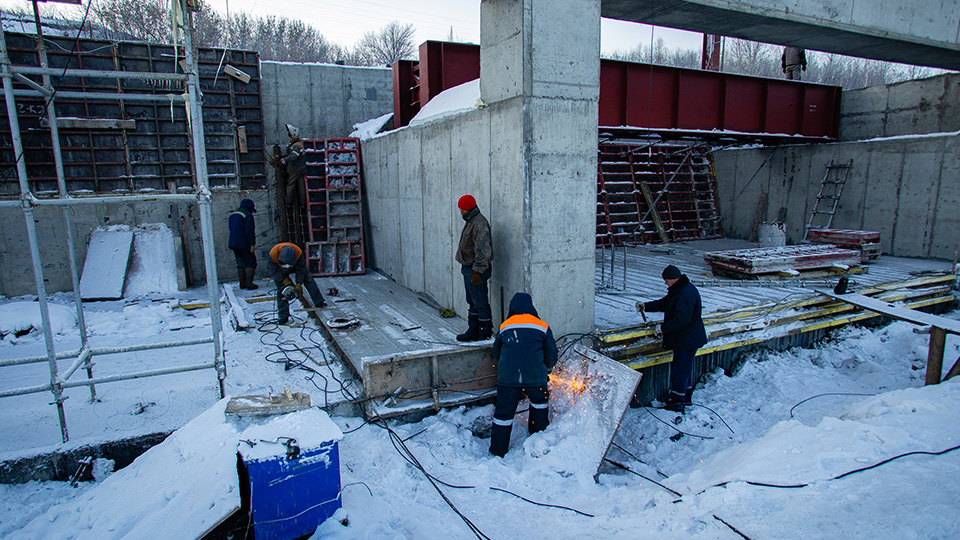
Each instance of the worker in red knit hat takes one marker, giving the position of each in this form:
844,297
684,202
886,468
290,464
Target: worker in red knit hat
475,253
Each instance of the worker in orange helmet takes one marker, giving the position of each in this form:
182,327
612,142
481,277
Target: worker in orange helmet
287,259
525,351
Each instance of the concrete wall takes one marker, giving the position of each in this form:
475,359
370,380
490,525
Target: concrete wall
529,158
323,100
930,105
908,188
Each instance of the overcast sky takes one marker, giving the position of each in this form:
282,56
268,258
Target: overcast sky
345,21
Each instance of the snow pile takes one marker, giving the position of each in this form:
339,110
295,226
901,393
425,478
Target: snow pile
451,101
18,318
365,130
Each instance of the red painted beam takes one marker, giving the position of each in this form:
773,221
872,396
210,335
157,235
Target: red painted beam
658,98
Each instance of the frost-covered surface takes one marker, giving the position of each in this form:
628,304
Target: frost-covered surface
762,430
456,100
365,130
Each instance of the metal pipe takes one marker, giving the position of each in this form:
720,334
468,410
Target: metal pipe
177,98
29,82
62,189
28,217
99,351
72,72
138,375
195,118
112,378
84,358
117,199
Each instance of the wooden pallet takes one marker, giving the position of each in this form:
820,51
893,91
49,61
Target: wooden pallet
866,242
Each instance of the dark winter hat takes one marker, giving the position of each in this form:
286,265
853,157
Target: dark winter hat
467,202
287,256
247,205
671,272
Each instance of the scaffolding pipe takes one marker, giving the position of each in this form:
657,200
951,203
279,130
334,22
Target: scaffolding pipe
111,378
62,189
31,231
115,199
73,72
165,98
206,214
99,351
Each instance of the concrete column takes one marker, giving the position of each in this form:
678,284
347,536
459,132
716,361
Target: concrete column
539,76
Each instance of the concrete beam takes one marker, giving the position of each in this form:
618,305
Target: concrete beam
920,32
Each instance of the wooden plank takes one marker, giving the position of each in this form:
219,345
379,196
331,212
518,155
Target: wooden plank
237,314
105,266
897,312
653,212
938,338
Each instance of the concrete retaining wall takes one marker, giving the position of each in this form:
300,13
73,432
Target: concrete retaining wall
906,187
930,105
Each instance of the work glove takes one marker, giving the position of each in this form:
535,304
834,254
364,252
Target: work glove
287,282
640,308
658,331
476,279
299,287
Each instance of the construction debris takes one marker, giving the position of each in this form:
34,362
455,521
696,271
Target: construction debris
267,405
789,260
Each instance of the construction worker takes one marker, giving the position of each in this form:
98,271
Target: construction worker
287,259
243,238
474,253
682,332
525,352
295,161
792,62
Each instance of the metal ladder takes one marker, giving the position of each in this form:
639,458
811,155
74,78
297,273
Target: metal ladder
828,198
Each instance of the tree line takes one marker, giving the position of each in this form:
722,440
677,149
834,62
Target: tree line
763,60
280,39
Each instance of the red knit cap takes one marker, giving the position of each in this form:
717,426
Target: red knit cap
467,202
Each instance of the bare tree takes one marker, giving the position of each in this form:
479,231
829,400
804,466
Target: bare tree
148,20
387,45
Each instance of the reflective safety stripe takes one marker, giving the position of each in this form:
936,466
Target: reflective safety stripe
500,422
524,320
540,405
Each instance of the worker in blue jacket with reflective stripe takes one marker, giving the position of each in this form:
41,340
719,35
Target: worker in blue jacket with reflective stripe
525,351
682,330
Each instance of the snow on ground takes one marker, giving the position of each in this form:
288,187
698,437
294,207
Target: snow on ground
802,417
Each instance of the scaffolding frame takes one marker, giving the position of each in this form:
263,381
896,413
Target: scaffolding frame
201,196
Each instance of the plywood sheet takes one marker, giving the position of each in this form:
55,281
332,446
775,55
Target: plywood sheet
105,267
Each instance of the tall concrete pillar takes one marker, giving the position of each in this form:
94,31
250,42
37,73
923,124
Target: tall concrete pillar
540,76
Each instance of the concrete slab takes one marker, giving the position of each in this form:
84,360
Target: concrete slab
105,267
405,354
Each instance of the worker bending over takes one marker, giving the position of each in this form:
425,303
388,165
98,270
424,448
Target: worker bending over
525,351
287,259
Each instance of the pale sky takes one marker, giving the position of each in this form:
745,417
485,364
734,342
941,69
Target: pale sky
345,21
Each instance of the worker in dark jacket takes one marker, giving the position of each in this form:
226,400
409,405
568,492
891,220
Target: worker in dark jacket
287,259
243,238
295,161
474,253
525,352
682,330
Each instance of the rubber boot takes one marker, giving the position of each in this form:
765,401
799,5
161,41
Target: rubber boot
486,330
249,282
473,331
242,275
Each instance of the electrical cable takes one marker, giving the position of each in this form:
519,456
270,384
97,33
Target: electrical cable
664,422
732,528
826,394
635,458
715,413
542,504
628,469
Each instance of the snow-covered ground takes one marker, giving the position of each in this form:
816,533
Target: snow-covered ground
867,404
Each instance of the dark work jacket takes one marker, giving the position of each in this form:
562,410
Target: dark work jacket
295,158
524,347
682,326
476,246
243,232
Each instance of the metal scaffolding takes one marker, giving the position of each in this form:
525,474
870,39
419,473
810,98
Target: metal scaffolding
27,201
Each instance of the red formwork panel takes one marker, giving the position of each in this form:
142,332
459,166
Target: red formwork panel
650,96
444,65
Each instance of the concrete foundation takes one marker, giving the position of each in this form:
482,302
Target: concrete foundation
904,187
529,158
930,105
